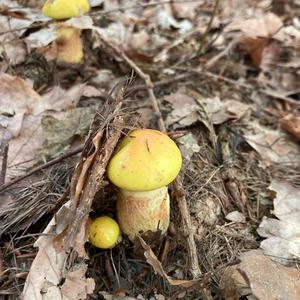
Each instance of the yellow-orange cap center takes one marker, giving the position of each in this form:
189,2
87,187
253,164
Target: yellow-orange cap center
145,160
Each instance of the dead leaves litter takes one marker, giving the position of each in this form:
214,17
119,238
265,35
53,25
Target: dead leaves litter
67,231
21,113
282,234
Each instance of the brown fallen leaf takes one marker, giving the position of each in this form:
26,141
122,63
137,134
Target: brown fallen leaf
282,234
185,10
258,277
185,108
47,269
14,51
263,25
17,98
21,113
291,124
77,286
273,146
45,272
158,268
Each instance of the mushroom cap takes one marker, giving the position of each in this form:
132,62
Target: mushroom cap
104,232
145,160
64,9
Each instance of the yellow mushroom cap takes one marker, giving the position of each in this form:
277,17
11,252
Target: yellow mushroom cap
104,232
64,9
146,160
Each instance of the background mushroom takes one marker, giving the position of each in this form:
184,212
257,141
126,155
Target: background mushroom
142,167
68,42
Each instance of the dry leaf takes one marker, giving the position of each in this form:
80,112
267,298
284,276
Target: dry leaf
221,112
274,146
158,268
189,146
258,277
21,112
17,17
186,10
262,26
47,269
59,99
282,234
291,124
14,51
184,110
77,286
264,54
17,98
236,216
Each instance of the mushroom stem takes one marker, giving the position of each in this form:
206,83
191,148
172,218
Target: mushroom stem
139,212
69,44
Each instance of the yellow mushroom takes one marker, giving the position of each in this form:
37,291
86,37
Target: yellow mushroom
68,43
144,164
65,9
104,232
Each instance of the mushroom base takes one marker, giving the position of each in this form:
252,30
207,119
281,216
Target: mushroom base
139,212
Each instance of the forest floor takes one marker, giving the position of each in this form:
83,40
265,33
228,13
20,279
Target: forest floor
221,78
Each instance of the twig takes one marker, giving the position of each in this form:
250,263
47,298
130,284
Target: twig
208,27
188,230
221,54
141,87
41,167
4,153
177,184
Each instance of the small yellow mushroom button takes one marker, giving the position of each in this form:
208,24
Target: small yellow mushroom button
104,232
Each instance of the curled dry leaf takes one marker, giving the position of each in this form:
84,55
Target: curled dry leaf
14,51
282,234
258,277
158,268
